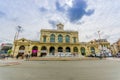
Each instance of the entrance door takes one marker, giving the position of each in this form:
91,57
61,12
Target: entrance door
60,49
83,51
43,51
52,51
34,51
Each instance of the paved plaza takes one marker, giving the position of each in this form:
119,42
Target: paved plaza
62,70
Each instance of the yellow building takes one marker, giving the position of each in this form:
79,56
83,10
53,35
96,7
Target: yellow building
53,42
115,47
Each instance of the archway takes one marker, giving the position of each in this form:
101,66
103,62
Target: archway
34,51
60,49
83,51
52,50
75,50
43,51
92,50
67,49
21,51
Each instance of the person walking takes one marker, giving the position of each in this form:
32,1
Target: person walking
26,56
29,55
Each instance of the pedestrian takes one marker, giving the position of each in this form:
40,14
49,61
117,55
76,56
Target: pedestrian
26,56
29,55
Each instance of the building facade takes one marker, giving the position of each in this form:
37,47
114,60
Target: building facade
57,41
115,47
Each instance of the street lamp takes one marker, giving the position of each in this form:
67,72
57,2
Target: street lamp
101,48
19,29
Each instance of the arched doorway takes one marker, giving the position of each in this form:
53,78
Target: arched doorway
75,50
67,49
34,51
21,51
43,51
52,50
60,49
83,51
92,50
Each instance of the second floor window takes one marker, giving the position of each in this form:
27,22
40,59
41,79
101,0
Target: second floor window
67,39
60,38
52,38
74,39
44,39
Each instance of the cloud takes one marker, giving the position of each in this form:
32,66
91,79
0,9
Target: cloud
90,12
78,10
53,23
59,7
42,9
2,14
75,12
106,36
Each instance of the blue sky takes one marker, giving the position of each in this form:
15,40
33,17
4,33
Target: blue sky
85,16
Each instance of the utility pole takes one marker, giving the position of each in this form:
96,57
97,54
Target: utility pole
19,29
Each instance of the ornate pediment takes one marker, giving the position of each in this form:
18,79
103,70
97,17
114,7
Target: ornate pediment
22,40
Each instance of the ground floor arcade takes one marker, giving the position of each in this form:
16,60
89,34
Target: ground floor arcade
43,50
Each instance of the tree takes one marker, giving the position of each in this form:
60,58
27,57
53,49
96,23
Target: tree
9,51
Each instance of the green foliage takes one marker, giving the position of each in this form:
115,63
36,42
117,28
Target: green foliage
9,51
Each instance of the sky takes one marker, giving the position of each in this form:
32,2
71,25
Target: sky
85,16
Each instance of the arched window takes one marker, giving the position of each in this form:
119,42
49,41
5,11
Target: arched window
52,38
60,38
67,38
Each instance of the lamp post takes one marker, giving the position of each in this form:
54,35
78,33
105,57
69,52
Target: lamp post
101,48
19,29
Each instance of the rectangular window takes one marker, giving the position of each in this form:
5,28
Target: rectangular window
44,39
74,39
